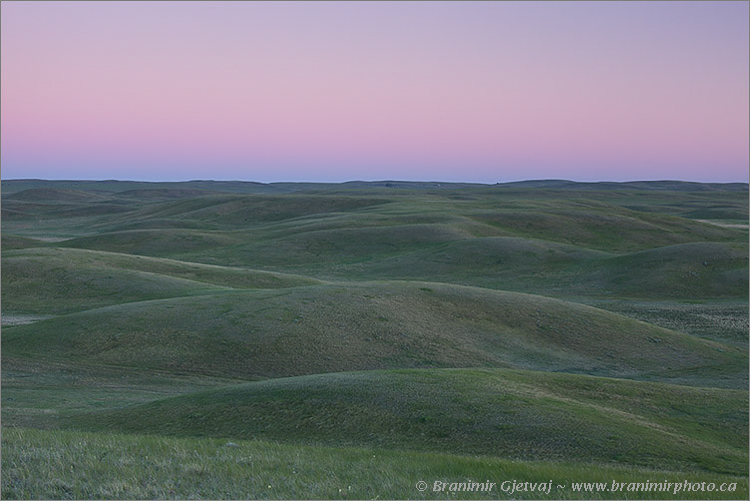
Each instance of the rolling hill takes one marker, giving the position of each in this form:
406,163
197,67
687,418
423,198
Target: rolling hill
512,414
62,280
379,325
544,328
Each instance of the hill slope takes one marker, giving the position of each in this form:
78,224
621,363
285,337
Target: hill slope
60,280
337,327
511,414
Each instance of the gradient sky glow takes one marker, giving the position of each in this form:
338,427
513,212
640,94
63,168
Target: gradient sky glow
316,91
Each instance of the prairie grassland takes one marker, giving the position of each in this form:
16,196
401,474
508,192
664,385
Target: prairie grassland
76,465
513,414
370,335
375,325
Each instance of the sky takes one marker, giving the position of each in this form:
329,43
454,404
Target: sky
335,91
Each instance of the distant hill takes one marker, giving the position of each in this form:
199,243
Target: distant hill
666,185
114,186
54,195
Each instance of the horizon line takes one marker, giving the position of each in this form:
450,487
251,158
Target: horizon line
372,181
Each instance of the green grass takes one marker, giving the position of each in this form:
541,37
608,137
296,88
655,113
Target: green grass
723,321
511,414
55,195
694,270
558,242
59,280
104,466
37,393
501,239
12,242
544,330
379,325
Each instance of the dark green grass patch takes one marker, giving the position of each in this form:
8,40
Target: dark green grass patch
723,321
64,465
60,280
36,393
691,270
12,242
511,414
341,327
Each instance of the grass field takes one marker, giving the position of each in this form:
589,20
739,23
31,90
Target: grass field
117,466
291,340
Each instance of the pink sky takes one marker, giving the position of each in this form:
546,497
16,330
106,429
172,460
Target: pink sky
453,91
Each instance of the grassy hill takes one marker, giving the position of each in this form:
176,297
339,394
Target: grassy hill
724,321
513,414
545,329
113,186
693,270
502,239
60,280
348,247
12,242
337,327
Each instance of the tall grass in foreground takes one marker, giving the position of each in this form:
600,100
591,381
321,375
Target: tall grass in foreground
74,465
